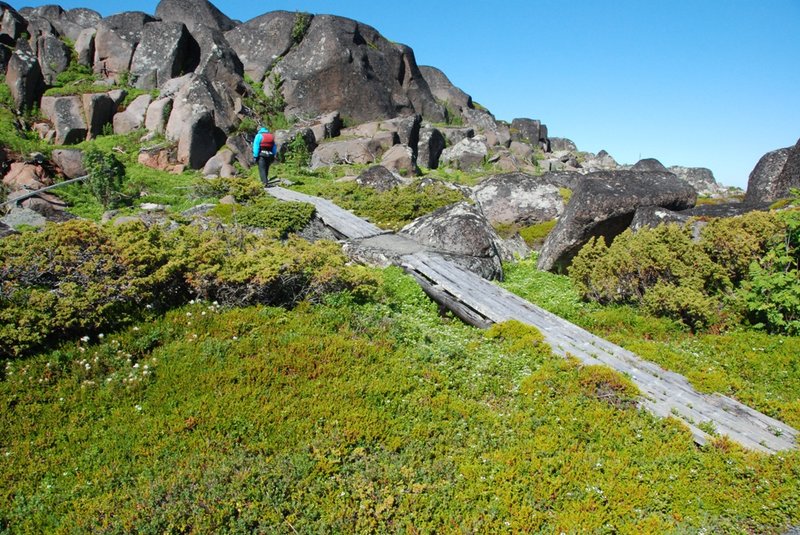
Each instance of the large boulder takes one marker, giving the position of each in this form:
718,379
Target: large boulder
649,165
464,234
467,154
211,56
12,25
24,77
67,24
558,144
162,55
346,151
603,161
132,118
262,41
53,56
379,178
455,134
604,203
155,120
774,174
700,178
70,161
429,148
198,142
195,96
518,199
26,176
66,115
400,159
344,65
84,47
194,13
526,130
99,109
115,41
497,134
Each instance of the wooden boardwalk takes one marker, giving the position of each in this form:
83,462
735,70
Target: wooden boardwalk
480,302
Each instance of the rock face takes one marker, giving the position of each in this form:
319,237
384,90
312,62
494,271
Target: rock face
161,56
133,117
443,89
194,13
99,110
400,159
70,161
343,65
529,131
260,42
462,231
430,147
518,198
361,150
66,114
24,77
774,174
652,216
53,56
604,203
115,41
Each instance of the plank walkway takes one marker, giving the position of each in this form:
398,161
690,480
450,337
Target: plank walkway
480,302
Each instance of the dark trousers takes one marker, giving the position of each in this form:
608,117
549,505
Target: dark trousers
263,167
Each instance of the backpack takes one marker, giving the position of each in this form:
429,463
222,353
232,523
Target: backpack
267,143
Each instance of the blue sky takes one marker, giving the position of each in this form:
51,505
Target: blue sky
710,83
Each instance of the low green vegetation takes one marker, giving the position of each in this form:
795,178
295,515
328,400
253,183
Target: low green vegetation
374,417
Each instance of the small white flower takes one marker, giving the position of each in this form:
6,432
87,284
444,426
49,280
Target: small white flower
136,365
138,408
188,314
136,328
101,336
84,338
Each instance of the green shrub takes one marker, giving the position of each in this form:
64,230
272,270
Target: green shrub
270,213
736,242
106,175
635,263
302,21
242,189
687,305
772,290
77,278
297,155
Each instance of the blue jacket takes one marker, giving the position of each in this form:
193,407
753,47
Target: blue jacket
257,143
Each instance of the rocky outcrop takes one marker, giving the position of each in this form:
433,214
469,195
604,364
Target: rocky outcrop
602,161
497,134
344,65
155,120
115,41
132,118
556,144
12,25
465,236
99,109
161,56
212,57
194,13
24,77
66,115
700,178
53,56
261,41
649,165
429,148
379,178
444,90
529,131
604,203
400,159
466,154
773,176
69,23
351,151
518,199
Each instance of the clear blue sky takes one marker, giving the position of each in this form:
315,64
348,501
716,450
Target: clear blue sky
710,83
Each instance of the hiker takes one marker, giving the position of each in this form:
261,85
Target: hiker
264,151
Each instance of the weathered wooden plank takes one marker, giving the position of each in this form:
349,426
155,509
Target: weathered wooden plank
344,222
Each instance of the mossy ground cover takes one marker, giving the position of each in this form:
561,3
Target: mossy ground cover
381,417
